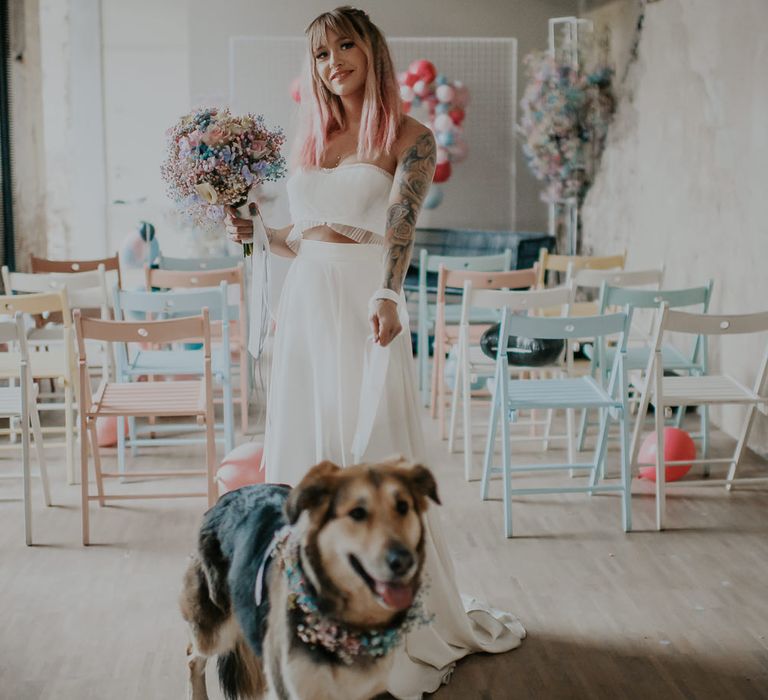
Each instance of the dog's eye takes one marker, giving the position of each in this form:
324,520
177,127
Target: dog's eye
358,513
401,507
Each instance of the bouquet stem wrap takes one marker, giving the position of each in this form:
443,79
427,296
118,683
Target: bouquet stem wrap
261,280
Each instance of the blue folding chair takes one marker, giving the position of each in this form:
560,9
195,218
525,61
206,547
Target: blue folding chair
222,262
427,313
176,361
513,395
673,358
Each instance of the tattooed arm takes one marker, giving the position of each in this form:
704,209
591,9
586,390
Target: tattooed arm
415,168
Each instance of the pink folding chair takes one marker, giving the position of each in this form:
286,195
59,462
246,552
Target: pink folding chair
174,398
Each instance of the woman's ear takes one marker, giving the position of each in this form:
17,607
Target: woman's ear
313,491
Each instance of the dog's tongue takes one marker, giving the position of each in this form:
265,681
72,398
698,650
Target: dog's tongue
395,595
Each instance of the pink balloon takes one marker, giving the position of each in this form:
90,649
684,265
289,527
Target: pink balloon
424,69
678,445
460,95
296,89
106,430
241,467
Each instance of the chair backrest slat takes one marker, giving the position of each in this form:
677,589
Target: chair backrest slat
653,298
478,263
38,265
530,300
715,324
572,328
587,277
35,304
193,279
193,264
174,302
559,263
515,279
165,331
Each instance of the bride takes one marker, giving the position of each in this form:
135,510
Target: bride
361,171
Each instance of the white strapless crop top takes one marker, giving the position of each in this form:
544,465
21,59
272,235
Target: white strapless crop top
351,199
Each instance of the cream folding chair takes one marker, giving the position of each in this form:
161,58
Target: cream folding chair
473,367
53,362
447,319
85,290
427,312
238,327
562,264
512,395
704,389
192,399
18,403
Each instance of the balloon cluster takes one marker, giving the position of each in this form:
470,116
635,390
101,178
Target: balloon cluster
421,86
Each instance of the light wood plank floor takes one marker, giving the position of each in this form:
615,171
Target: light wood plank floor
681,614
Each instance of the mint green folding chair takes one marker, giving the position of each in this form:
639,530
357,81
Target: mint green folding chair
513,395
674,358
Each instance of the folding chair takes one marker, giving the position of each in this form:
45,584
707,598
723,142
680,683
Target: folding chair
132,364
427,313
190,398
472,366
639,343
19,403
110,265
513,395
238,324
222,262
52,361
703,389
447,322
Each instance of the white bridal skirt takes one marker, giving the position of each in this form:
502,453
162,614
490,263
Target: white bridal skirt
319,366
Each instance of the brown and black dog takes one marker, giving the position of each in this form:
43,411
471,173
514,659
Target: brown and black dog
358,537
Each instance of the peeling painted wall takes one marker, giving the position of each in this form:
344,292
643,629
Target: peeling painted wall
683,176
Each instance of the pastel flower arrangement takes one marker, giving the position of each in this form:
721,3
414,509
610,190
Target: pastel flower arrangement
565,116
215,159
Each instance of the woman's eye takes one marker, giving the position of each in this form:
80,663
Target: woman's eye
320,56
401,507
358,514
347,45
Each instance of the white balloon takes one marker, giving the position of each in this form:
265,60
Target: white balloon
443,122
406,93
420,88
442,156
444,93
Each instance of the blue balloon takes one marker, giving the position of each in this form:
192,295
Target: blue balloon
434,197
445,138
416,101
443,108
442,80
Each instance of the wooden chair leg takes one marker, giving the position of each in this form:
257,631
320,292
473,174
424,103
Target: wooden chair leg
26,472
69,426
97,461
84,494
41,463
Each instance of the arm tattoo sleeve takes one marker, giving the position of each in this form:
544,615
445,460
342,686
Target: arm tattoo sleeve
412,180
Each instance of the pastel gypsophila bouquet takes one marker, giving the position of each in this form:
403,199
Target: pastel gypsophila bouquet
566,111
214,159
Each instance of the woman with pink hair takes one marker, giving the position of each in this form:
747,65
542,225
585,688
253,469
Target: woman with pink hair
342,385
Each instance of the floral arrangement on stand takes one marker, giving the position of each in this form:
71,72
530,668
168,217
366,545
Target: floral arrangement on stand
445,102
566,111
216,159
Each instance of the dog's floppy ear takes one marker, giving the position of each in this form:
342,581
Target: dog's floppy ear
315,488
423,482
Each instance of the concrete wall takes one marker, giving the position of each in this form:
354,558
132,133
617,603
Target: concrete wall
683,176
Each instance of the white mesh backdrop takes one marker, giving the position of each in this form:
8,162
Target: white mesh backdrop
481,190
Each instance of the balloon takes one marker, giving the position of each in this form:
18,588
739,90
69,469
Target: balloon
406,107
461,95
444,93
241,467
678,445
443,122
442,172
442,156
434,197
458,150
424,69
406,93
106,430
445,138
522,352
411,79
296,89
457,115
441,108
441,79
420,88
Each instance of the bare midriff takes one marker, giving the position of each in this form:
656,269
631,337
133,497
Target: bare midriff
326,234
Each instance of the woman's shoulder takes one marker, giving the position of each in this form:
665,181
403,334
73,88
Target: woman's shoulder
412,131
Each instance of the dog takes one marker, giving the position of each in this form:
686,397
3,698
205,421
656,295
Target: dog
304,593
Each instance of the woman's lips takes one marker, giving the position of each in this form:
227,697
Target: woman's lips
341,75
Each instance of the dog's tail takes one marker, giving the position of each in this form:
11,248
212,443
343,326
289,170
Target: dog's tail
240,673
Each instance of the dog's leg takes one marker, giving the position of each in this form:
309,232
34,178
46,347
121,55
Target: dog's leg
196,689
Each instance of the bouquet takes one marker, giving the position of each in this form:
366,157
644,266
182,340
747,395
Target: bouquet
214,159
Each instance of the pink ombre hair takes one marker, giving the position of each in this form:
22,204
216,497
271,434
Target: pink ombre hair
321,111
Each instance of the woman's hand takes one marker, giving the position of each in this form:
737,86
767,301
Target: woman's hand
240,230
385,321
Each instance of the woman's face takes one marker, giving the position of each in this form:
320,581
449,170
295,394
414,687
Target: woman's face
341,64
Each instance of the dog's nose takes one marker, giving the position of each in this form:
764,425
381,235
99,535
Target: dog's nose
399,560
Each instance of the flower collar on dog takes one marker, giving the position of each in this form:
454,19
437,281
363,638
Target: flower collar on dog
317,630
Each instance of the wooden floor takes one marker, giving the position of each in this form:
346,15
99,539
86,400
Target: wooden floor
679,614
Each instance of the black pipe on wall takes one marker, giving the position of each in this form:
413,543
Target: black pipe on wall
6,182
